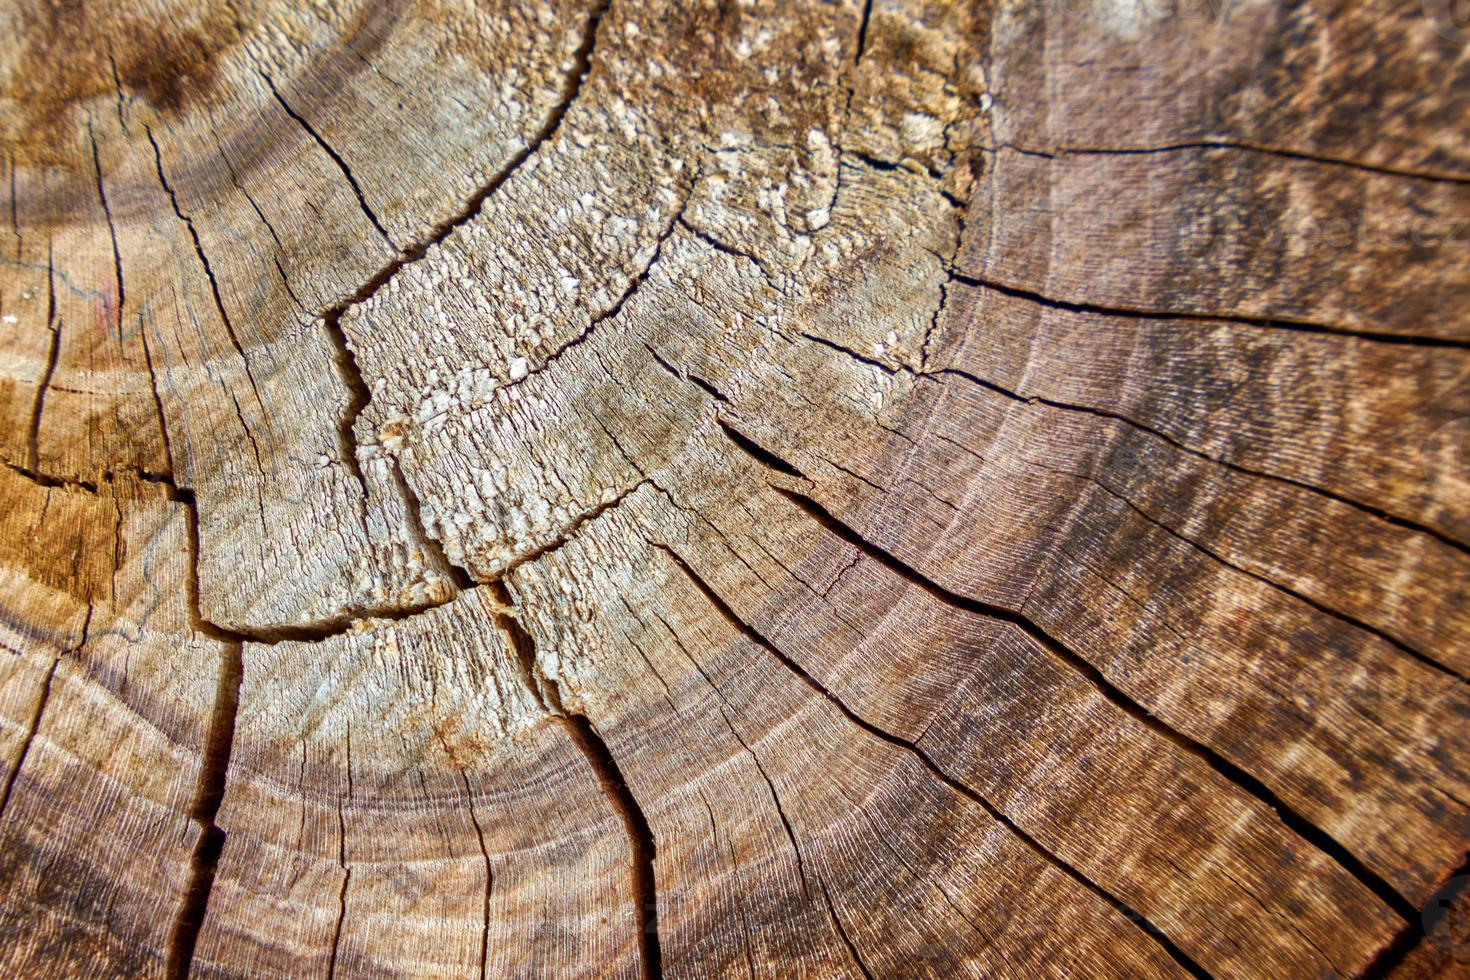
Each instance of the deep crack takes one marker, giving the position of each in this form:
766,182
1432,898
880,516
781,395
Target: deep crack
209,792
609,776
934,769
1248,783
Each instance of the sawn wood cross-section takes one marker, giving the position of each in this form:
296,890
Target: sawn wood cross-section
559,488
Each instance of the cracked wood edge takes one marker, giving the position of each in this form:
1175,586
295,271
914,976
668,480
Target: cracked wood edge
828,536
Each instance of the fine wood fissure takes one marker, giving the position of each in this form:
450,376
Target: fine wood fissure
604,766
775,488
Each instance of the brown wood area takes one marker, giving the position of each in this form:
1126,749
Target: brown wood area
869,488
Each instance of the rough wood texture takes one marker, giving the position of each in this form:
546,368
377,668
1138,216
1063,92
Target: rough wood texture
734,487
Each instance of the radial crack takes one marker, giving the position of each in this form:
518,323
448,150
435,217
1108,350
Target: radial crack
1103,413
605,767
111,231
760,767
489,874
933,768
333,154
852,949
1248,783
34,725
1342,617
461,578
1409,173
208,794
1274,323
342,892
756,451
219,302
52,355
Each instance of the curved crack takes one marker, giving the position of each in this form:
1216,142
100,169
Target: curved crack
617,306
359,394
933,768
219,302
34,726
1407,173
1274,323
1366,508
336,158
1304,828
605,768
43,383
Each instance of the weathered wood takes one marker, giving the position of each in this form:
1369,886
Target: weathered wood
880,489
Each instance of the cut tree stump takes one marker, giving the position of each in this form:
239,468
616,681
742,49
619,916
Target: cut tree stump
737,487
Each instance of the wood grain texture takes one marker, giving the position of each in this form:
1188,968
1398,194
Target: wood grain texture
877,489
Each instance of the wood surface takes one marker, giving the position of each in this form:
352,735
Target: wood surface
557,488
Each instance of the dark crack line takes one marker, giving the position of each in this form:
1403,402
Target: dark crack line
489,874
315,632
53,354
729,851
757,638
617,307
730,250
359,393
53,482
582,61
1439,177
850,83
685,375
760,767
758,452
1273,323
111,233
939,373
1246,782
854,475
336,158
640,836
1342,617
215,760
574,527
168,452
1415,933
461,578
604,766
342,862
34,725
862,37
849,352
209,793
933,326
908,165
254,444
358,397
1103,413
219,302
117,85
15,210
240,186
852,949
342,893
